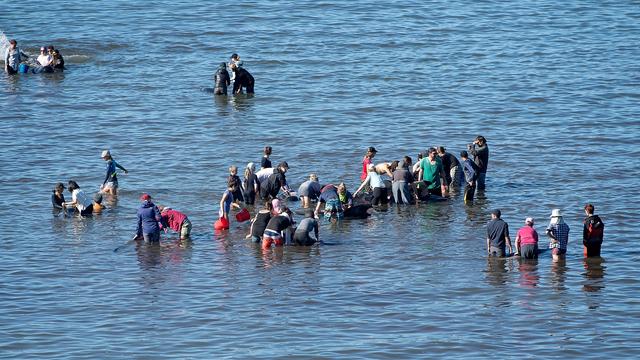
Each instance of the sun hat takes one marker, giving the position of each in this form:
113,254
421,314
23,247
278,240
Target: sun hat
105,153
555,213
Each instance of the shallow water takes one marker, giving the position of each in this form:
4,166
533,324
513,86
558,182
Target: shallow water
552,86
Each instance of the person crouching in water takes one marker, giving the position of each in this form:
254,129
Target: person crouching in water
527,240
277,229
302,235
332,204
259,223
222,80
79,199
148,220
242,79
373,179
175,220
57,198
110,183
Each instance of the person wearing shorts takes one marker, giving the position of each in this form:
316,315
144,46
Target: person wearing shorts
331,200
309,190
273,233
558,233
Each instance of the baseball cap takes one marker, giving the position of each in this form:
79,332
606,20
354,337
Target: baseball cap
106,153
145,197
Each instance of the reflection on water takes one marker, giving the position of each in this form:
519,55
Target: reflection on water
594,274
528,269
558,274
496,272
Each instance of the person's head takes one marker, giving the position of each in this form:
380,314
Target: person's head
13,43
589,209
56,52
250,169
394,165
43,50
371,152
50,49
72,185
432,153
480,140
268,206
145,197
407,161
342,188
371,168
106,155
464,155
233,66
233,170
556,217
529,221
313,177
267,150
235,57
97,198
59,188
496,213
441,150
222,65
283,167
420,156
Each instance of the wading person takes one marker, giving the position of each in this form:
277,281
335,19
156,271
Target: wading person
527,240
243,79
13,57
470,171
480,152
79,199
592,232
148,220
110,183
222,80
57,198
558,233
175,220
309,190
306,233
432,173
498,235
374,180
250,184
451,167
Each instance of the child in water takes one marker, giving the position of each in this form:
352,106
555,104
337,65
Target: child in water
234,178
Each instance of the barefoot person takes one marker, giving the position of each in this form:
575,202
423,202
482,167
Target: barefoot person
110,183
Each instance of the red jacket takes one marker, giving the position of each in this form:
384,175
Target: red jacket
173,219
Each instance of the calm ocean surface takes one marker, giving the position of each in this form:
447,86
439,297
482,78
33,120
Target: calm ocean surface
553,86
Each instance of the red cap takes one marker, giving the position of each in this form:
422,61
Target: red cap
145,197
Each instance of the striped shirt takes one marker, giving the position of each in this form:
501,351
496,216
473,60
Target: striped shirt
561,233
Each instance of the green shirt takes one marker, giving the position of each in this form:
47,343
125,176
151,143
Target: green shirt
431,172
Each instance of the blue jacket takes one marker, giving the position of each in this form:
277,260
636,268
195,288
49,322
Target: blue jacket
148,218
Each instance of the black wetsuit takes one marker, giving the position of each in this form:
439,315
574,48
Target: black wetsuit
243,79
222,81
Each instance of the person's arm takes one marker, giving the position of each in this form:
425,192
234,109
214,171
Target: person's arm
388,171
551,235
518,243
53,202
507,238
488,242
121,167
364,183
317,208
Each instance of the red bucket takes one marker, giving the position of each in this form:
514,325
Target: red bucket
221,224
243,215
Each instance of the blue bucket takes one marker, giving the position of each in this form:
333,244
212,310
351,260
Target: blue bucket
23,68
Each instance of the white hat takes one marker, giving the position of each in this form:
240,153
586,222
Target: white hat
105,153
555,213
528,220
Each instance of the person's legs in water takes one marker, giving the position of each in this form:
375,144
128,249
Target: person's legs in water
529,251
481,181
185,229
469,191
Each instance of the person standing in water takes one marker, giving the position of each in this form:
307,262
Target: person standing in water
451,167
148,220
110,183
13,58
527,240
480,151
432,173
366,161
176,220
243,79
470,171
250,184
222,80
592,233
558,232
309,190
79,199
265,163
498,235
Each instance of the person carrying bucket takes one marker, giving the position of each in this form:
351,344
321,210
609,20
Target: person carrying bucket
13,58
226,203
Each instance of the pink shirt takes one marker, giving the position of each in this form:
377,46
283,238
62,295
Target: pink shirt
528,235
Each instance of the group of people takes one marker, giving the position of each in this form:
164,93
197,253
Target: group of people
432,177
15,60
526,242
240,77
